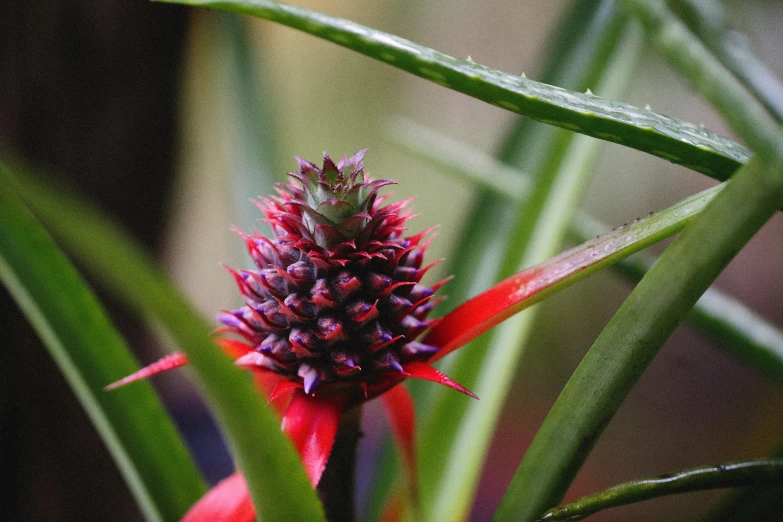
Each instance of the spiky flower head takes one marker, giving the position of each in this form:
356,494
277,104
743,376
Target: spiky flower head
335,304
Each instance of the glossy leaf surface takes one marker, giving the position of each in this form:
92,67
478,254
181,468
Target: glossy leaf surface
671,139
729,475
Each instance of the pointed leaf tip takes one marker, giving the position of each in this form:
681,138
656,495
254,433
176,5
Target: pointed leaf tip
420,370
305,166
329,166
174,360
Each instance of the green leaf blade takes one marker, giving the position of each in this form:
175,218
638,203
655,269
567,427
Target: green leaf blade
635,334
671,139
728,475
133,424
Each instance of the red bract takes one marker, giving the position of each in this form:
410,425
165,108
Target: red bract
228,501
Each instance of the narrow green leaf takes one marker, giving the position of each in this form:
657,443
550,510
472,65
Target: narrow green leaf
247,118
635,334
742,111
708,20
460,160
90,353
729,475
733,325
276,479
671,139
538,282
757,504
583,38
455,440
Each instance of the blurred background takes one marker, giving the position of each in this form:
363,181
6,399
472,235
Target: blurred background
136,105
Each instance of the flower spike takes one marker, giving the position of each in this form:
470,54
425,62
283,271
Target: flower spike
331,315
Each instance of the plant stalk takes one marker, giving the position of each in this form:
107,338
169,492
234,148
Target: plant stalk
337,484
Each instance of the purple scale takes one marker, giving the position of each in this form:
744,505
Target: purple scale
300,306
406,273
416,349
302,272
274,281
374,333
419,292
377,283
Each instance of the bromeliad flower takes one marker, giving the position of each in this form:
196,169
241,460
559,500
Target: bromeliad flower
336,303
334,309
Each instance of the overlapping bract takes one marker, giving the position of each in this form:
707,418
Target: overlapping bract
336,301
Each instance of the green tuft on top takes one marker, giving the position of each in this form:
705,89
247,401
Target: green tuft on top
337,198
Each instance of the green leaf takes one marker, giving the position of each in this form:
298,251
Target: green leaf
90,353
707,19
275,477
668,138
733,325
536,283
729,475
707,75
460,160
246,119
758,504
456,438
635,334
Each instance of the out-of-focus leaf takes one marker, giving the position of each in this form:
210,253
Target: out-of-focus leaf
276,480
90,353
708,20
248,126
